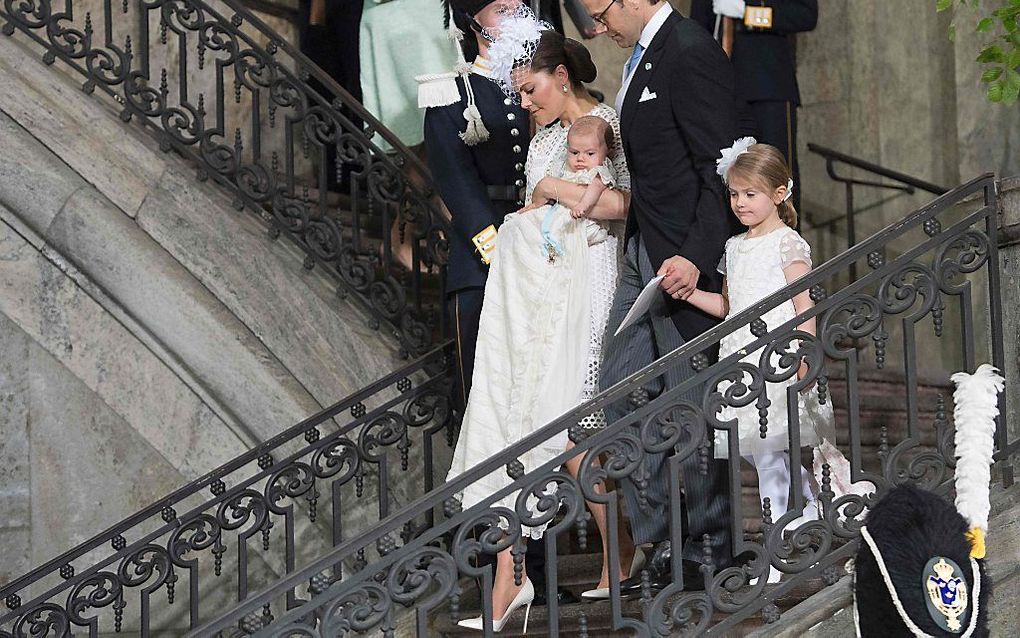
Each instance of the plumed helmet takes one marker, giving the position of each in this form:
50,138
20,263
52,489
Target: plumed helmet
914,574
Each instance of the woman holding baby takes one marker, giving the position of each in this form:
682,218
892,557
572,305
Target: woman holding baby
550,285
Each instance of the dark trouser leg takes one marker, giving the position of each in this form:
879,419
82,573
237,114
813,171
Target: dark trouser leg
707,496
466,308
777,125
335,48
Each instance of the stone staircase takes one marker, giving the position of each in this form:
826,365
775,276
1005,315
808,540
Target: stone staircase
578,569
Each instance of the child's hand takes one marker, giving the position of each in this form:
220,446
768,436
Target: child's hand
579,213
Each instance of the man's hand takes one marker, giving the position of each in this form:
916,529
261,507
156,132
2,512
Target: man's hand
681,277
729,8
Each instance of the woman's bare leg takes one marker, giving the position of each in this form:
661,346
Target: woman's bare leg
598,513
503,588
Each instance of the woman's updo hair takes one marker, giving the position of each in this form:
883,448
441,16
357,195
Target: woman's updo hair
554,49
764,165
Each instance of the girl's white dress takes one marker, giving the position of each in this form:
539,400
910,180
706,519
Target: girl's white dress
753,267
541,329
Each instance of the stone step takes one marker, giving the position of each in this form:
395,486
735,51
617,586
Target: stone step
596,615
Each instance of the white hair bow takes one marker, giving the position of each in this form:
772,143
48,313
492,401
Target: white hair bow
729,155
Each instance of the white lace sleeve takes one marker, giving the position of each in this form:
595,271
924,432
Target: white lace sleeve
607,173
619,160
722,261
793,248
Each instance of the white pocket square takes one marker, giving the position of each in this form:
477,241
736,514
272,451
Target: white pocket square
646,95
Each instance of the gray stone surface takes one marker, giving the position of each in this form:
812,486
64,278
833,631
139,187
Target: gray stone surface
324,343
44,303
90,467
15,473
54,110
181,313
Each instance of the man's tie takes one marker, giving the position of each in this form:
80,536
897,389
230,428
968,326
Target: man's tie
634,57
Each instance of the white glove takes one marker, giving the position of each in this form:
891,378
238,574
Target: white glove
729,8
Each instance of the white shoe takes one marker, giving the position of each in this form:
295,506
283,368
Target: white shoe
636,565
524,598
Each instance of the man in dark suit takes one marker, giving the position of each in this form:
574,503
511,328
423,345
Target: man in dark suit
764,63
677,111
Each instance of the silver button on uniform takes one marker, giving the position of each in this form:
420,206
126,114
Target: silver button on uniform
507,101
519,182
518,166
514,132
517,149
511,117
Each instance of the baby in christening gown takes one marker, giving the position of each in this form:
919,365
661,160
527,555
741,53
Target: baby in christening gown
588,163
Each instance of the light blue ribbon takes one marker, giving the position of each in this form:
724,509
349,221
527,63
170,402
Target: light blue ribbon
551,246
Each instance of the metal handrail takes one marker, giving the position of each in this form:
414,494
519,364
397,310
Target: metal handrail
268,140
835,156
434,359
828,311
907,184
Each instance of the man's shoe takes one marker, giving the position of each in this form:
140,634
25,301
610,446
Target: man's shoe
659,573
563,597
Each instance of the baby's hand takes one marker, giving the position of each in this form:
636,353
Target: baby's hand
579,213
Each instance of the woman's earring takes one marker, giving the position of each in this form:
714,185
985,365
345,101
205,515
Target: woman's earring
565,89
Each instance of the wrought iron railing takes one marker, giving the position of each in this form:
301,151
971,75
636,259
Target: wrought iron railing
211,81
245,524
899,182
902,304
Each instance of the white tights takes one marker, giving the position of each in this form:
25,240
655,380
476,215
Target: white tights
774,480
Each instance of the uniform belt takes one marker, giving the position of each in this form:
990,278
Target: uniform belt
503,193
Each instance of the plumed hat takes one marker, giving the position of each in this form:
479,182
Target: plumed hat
919,569
470,7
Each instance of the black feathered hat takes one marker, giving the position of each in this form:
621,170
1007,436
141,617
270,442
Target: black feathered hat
919,569
468,7
913,574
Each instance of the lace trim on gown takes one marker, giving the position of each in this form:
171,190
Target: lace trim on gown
532,339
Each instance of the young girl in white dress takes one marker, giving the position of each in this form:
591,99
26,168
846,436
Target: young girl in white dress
757,263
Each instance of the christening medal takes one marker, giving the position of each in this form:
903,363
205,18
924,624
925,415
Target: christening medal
947,594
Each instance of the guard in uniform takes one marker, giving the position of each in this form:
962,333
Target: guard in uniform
478,165
763,61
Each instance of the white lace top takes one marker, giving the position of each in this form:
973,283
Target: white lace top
547,156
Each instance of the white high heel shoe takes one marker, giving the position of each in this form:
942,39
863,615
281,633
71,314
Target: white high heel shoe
524,598
602,593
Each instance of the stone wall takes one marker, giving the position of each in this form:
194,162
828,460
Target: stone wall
148,330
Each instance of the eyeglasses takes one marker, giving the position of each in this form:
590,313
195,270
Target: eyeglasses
600,17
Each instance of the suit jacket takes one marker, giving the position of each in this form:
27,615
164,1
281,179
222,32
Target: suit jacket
463,173
763,59
678,202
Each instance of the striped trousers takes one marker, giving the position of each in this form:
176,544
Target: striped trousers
706,495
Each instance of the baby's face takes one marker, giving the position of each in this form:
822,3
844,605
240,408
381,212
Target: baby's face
585,151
